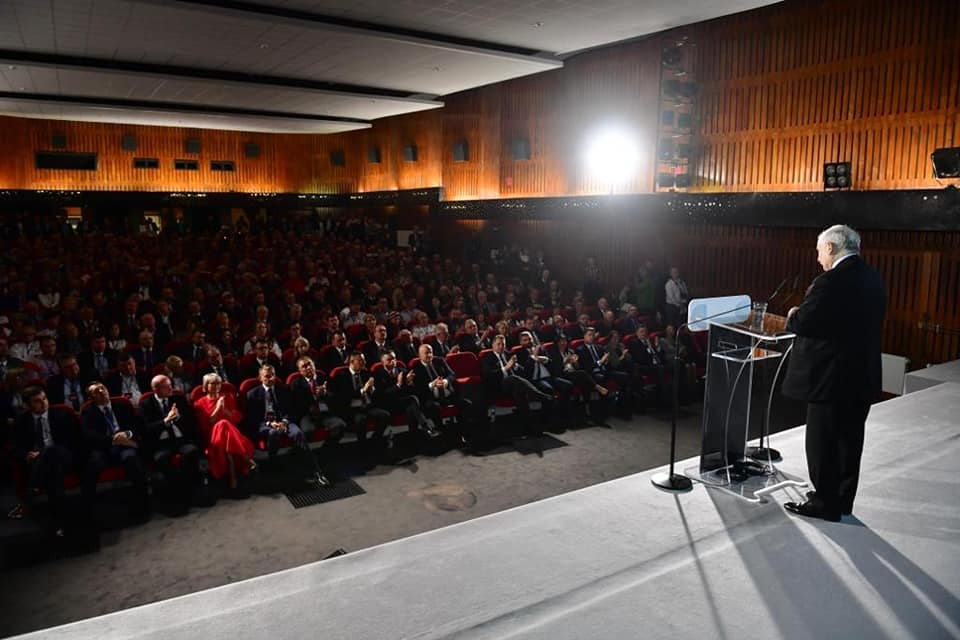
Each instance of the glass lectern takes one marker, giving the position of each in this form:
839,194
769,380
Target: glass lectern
744,362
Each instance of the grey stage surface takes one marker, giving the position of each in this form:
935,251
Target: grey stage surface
625,560
932,376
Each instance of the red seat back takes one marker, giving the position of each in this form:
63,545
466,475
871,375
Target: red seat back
465,364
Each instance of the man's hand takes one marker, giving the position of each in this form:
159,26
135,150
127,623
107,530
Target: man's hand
120,439
455,349
173,415
410,376
32,455
512,362
367,386
605,358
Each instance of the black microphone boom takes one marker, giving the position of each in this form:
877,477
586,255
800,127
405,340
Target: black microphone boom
669,480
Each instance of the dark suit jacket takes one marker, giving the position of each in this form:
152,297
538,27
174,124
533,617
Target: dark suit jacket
303,400
257,406
62,428
491,372
385,386
152,416
422,378
330,359
96,431
525,359
587,362
836,355
186,352
469,343
114,383
405,352
342,391
233,374
640,355
251,368
371,352
88,371
158,357
55,393
441,349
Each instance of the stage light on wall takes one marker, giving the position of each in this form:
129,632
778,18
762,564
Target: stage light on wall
612,156
837,175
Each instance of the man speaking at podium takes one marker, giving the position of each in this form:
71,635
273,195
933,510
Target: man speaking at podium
835,368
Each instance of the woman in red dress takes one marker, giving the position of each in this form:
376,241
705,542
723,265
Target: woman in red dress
228,450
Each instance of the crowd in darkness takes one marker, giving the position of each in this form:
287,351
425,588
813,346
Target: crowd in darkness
373,330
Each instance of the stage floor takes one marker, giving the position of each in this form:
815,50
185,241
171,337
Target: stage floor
625,560
932,376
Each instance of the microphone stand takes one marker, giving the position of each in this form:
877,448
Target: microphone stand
669,480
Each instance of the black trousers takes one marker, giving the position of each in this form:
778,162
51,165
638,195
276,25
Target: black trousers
523,391
181,478
834,445
46,473
129,458
358,417
410,407
469,422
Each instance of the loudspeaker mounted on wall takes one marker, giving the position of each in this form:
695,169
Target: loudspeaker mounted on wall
191,145
461,151
251,150
946,162
58,141
338,158
837,175
128,142
373,154
521,149
410,152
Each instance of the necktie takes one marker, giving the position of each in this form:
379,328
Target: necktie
356,381
432,371
111,419
165,406
273,399
148,359
101,362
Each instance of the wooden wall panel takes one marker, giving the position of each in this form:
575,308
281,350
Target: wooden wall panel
814,82
783,89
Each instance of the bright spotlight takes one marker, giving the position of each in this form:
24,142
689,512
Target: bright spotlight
612,156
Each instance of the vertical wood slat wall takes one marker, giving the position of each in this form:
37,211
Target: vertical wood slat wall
921,269
783,89
797,85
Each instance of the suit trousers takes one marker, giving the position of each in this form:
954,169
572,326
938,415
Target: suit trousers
129,458
834,444
181,477
46,473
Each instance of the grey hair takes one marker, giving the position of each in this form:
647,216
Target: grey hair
210,378
844,239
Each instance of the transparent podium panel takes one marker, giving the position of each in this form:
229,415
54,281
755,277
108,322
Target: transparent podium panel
744,362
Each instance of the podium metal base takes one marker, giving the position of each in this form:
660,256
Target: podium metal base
763,453
674,482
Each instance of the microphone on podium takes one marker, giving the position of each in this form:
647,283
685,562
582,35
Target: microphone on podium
669,480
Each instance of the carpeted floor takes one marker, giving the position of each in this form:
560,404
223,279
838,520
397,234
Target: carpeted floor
234,540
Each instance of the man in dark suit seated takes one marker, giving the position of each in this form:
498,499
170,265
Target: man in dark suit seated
111,434
169,428
149,354
98,361
351,398
435,385
403,346
7,361
442,346
45,449
535,367
394,392
375,347
126,381
502,374
216,364
311,411
471,340
596,362
262,356
195,350
835,368
649,360
66,387
270,416
337,353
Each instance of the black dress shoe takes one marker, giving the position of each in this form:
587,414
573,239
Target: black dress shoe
320,480
813,494
811,510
